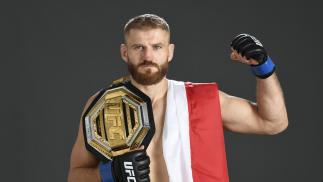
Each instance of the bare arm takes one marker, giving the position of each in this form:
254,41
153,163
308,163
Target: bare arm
83,165
267,116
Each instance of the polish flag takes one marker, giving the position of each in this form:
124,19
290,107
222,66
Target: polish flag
193,141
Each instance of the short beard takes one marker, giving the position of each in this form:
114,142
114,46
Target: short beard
148,77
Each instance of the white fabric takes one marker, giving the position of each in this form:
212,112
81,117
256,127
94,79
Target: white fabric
176,141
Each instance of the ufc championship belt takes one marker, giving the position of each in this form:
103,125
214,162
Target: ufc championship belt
119,120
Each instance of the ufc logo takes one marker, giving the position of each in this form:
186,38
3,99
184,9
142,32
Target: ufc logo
129,170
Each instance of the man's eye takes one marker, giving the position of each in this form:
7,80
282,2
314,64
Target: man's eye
139,47
157,47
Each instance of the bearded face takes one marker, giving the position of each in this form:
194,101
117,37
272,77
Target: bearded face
147,53
148,73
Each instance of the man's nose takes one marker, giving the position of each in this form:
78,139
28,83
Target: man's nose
148,54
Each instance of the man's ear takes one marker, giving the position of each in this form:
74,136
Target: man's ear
124,52
171,48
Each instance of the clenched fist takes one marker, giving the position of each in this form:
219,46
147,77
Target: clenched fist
247,49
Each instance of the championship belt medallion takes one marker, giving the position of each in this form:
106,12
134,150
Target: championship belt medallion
119,120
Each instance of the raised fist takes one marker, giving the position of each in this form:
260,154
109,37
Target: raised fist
247,49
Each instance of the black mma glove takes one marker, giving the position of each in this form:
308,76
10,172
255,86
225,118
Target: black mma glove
132,166
251,48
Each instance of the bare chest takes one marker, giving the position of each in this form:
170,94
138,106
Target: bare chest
158,170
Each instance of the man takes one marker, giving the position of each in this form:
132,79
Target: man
147,51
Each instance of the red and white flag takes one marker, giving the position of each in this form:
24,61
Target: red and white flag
193,141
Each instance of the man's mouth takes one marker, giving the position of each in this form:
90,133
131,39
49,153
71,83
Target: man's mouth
148,65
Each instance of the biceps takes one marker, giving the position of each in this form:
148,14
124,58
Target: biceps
80,157
240,115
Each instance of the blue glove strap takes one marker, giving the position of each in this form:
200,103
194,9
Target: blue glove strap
106,172
263,69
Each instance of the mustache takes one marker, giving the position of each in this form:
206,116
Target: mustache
147,63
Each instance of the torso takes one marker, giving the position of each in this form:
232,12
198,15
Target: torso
158,169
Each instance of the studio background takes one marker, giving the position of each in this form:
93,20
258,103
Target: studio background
55,54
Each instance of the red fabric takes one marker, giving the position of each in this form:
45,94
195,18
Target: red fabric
208,155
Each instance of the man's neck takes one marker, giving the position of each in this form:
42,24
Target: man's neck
154,92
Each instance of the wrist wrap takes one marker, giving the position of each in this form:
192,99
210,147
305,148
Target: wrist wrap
106,172
264,69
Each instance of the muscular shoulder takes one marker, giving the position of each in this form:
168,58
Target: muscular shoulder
80,157
90,101
224,97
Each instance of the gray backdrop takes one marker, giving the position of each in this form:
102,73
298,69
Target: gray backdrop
55,54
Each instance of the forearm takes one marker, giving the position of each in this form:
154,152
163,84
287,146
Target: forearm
271,105
84,175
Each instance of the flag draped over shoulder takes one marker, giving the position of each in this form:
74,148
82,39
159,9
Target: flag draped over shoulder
193,141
